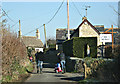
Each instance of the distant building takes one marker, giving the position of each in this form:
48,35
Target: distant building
32,41
86,29
51,43
61,36
100,28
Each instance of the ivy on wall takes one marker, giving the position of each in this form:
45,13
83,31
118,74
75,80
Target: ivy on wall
76,47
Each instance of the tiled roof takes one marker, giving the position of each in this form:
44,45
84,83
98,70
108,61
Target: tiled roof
32,41
61,33
100,28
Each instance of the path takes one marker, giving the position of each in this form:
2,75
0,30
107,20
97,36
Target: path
49,75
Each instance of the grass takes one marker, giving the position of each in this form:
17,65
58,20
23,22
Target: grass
30,67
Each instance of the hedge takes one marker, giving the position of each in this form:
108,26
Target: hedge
68,47
76,46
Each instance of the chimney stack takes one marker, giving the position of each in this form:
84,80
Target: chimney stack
37,34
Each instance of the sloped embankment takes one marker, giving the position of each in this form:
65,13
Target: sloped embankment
14,57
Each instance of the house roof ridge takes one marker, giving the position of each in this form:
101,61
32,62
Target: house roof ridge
89,24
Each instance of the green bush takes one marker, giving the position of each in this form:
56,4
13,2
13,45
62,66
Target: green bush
108,52
68,47
76,46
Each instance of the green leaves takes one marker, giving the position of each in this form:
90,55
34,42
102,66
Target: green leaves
76,47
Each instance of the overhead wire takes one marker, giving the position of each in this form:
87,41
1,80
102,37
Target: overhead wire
14,24
7,15
33,30
114,9
49,20
55,12
76,8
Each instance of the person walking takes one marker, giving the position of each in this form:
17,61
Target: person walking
39,60
62,60
88,50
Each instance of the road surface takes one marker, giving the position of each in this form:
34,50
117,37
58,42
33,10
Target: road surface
49,75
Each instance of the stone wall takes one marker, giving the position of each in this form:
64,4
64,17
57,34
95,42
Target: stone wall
84,66
74,64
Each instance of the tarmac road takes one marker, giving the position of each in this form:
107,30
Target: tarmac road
49,75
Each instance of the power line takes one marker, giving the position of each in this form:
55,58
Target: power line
114,9
33,30
7,15
14,24
49,20
76,8
55,13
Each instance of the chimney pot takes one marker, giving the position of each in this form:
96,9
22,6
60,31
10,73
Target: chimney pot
37,34
84,18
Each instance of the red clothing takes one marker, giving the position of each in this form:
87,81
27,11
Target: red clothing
31,58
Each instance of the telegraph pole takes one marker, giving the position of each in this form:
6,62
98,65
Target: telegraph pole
112,40
19,31
68,19
45,36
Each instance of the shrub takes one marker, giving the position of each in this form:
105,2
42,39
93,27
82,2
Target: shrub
108,70
14,56
68,47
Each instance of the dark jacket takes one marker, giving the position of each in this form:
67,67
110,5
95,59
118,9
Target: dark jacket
39,56
62,56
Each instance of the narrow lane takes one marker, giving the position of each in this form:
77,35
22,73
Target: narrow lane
49,75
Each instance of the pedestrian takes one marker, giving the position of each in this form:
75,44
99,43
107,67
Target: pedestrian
31,58
62,59
88,50
39,60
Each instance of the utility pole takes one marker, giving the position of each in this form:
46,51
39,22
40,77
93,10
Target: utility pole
87,9
45,36
68,19
19,31
112,40
112,36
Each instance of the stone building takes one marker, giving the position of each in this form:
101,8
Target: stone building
86,29
32,41
61,36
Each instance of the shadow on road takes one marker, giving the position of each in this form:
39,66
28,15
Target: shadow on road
73,78
59,75
48,72
30,71
48,65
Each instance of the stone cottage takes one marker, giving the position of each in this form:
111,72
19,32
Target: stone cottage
32,41
86,29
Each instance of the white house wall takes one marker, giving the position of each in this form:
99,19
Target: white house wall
87,31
